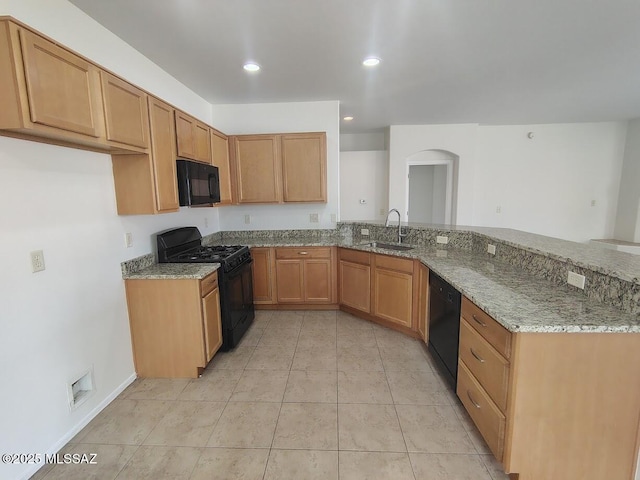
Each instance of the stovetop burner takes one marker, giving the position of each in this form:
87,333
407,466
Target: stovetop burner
183,245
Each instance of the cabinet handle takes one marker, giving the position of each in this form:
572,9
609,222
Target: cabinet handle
478,320
477,405
303,253
478,357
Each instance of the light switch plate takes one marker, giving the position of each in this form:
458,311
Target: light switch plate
442,239
128,240
313,218
491,249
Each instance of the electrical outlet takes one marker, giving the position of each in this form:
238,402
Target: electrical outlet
491,249
37,261
128,240
247,219
442,239
334,219
382,212
498,209
593,203
313,218
206,222
441,253
576,279
364,232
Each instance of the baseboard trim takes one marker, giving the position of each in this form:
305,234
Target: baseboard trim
56,447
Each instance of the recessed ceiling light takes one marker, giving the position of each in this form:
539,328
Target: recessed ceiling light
371,62
347,119
251,67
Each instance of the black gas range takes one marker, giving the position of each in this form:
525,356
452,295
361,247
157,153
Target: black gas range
184,245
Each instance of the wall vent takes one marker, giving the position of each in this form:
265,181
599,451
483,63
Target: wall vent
80,389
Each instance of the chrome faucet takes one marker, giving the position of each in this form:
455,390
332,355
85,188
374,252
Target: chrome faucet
386,224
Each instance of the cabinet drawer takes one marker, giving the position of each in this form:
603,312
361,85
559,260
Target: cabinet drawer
484,413
208,284
303,252
355,256
394,263
485,363
498,336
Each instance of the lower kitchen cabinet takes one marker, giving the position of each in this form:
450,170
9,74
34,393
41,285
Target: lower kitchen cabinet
175,325
305,275
263,270
382,288
355,279
551,405
393,295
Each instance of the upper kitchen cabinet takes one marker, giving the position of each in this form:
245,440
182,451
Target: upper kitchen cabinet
258,168
304,167
280,168
126,112
48,91
147,183
192,138
220,159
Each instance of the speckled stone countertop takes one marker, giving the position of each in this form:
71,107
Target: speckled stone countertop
164,271
517,300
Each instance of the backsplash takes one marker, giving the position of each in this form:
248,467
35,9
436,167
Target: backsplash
425,237
138,263
338,233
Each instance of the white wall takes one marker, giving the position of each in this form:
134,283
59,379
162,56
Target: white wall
546,184
362,142
407,140
364,175
628,216
439,194
276,118
57,323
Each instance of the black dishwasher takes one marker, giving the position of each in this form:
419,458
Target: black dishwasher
444,325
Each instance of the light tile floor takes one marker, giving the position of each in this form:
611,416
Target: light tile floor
306,395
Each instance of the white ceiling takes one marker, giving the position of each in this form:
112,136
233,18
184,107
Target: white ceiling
443,61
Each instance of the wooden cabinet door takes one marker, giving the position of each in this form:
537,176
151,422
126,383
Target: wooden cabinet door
258,172
262,269
393,296
185,135
304,167
317,280
63,89
126,112
355,285
423,303
202,141
289,281
220,159
212,323
163,153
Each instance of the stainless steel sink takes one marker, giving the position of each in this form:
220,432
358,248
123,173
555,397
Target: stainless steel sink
389,246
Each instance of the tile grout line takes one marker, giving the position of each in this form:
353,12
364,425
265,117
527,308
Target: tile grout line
395,409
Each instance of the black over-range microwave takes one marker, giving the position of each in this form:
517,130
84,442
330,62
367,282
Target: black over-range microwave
198,183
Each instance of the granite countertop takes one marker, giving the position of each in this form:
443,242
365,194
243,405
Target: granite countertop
517,300
164,271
